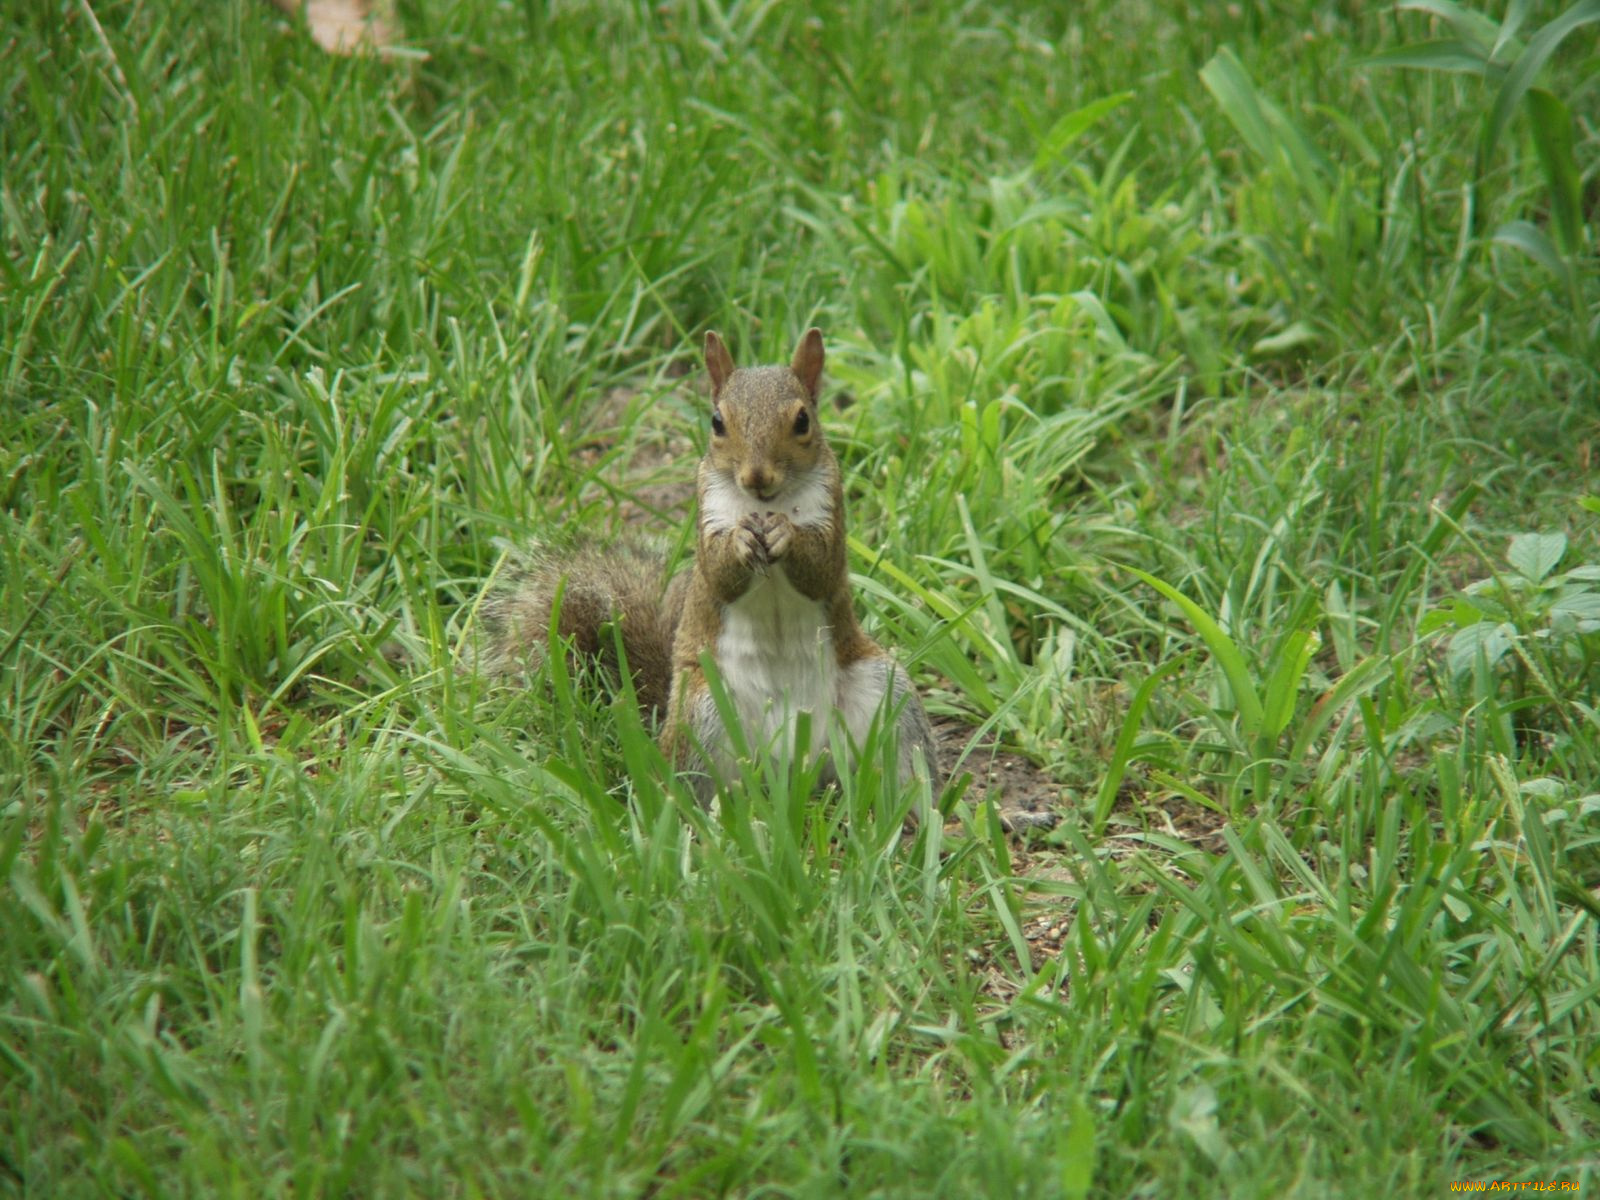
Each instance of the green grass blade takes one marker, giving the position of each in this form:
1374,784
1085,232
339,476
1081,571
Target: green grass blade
1070,126
1127,737
1223,651
1292,656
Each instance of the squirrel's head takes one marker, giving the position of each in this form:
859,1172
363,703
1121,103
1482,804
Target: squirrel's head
764,427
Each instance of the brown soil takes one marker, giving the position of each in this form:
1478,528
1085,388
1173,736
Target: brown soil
1025,796
654,485
1145,820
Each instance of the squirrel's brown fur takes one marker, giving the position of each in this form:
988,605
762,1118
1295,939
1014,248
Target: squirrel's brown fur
599,586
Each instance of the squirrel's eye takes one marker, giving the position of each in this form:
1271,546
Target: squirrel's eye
802,422
717,426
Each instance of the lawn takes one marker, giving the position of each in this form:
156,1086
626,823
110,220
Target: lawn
1218,392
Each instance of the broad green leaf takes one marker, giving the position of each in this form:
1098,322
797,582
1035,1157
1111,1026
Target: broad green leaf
1516,14
1530,239
1077,1166
1446,54
1293,655
1103,321
1527,67
1488,638
1194,1113
1580,603
1233,91
1535,555
1266,128
1285,341
1435,620
1470,26
1552,138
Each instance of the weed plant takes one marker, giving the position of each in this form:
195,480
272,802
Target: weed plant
1222,404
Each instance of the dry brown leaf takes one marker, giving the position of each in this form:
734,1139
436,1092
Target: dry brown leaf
347,26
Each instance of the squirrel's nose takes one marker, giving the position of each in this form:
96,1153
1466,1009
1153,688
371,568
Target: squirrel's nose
758,481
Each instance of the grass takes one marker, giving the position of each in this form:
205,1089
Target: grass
1190,437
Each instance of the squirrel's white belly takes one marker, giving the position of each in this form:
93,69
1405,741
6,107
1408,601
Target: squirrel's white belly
777,660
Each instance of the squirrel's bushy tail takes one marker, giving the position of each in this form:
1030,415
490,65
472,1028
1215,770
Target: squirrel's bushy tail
624,585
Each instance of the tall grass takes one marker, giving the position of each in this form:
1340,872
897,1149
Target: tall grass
1192,410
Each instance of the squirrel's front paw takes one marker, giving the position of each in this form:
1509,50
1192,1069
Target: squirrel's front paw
749,544
779,534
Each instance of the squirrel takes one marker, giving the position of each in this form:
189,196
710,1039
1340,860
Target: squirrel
767,598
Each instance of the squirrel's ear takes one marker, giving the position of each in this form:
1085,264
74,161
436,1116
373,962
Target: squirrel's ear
807,362
718,361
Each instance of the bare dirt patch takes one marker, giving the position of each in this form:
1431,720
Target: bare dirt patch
1050,873
652,473
1025,796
